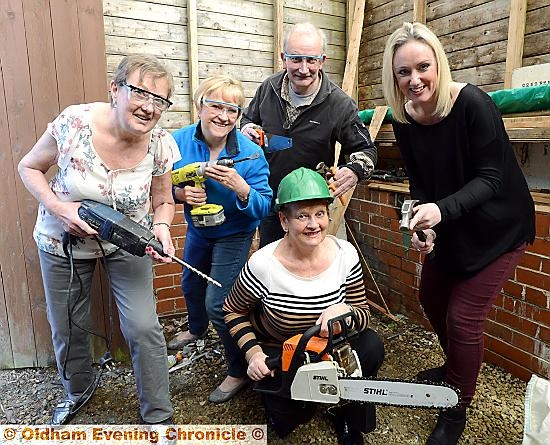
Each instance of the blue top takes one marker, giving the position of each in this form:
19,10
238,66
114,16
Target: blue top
239,217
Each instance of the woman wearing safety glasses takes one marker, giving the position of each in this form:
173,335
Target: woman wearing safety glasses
223,206
115,154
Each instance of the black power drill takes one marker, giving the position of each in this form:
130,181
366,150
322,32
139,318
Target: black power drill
123,232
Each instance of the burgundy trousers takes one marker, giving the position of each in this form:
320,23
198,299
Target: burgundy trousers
457,308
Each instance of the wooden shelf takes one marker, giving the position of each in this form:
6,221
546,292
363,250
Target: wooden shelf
521,128
542,200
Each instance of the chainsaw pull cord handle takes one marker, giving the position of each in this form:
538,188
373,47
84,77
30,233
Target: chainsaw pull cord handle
299,358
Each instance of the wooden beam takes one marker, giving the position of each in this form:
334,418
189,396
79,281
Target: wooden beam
353,46
278,20
516,35
338,208
352,58
350,7
193,51
419,11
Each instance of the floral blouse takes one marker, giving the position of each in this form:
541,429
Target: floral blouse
83,175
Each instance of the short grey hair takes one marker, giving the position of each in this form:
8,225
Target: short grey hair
304,28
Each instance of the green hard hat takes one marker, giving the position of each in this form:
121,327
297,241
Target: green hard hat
301,184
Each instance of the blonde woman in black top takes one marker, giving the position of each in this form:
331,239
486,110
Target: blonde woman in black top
475,207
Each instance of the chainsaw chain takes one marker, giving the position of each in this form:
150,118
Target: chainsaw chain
390,379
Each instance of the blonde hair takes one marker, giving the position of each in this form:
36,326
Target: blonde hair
393,95
304,28
146,64
223,83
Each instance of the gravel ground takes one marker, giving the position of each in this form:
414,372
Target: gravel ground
495,418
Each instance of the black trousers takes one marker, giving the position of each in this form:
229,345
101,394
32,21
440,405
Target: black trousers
285,415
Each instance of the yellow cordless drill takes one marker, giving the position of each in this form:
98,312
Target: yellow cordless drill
206,215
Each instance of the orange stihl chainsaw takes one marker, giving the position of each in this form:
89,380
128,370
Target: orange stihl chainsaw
325,370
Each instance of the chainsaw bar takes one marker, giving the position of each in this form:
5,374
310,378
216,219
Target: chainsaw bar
397,392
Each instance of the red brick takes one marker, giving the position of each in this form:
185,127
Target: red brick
169,292
498,330
372,231
546,265
513,288
390,259
492,313
509,303
163,281
541,316
384,197
523,342
543,334
165,306
537,297
178,231
513,368
530,261
542,225
390,212
374,195
541,246
394,225
540,366
167,268
411,266
534,279
507,350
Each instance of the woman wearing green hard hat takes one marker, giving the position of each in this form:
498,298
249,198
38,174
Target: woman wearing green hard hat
303,279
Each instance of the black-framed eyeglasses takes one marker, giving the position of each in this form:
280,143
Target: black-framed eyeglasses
140,95
299,58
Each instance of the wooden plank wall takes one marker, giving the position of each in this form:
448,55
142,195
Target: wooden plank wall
233,37
474,34
43,69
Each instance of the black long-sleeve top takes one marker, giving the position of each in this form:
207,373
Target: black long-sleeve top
332,117
466,165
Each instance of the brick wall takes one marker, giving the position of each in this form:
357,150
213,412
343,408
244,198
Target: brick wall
167,281
517,334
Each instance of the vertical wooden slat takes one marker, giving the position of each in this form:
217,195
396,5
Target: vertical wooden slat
350,7
193,51
419,11
92,43
278,19
18,107
68,58
352,58
6,353
516,35
45,107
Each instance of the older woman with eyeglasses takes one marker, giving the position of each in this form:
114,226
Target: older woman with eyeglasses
115,154
219,247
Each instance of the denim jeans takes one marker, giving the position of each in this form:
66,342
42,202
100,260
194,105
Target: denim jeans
222,259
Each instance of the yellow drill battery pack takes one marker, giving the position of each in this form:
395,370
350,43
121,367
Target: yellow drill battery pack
207,215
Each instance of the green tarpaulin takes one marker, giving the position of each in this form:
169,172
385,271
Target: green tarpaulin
515,100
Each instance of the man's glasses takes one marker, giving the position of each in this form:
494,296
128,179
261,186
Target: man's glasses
218,107
140,95
299,58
